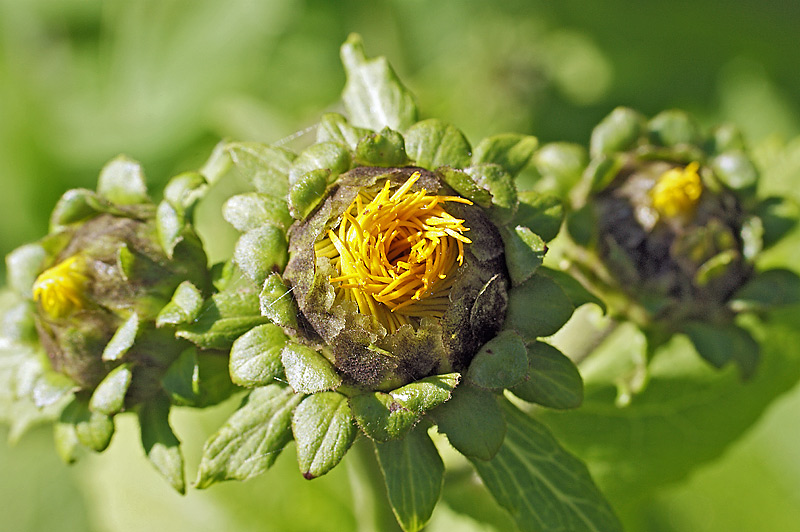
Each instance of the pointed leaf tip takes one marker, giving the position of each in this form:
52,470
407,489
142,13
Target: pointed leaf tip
122,181
373,95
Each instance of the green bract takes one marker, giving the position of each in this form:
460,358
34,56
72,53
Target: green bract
667,227
333,351
90,317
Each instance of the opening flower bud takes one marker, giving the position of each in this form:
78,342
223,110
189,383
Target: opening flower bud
114,269
399,276
668,227
659,234
396,253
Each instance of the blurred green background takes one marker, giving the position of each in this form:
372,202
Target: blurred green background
163,80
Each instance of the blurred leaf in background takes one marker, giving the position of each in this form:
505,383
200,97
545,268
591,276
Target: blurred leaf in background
162,81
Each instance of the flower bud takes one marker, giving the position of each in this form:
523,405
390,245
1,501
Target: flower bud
667,226
98,281
387,273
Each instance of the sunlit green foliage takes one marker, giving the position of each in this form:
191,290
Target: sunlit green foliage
162,81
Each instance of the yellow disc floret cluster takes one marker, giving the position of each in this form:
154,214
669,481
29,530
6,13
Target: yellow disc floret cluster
395,253
677,191
59,290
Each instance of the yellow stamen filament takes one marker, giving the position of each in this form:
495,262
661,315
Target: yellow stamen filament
395,252
677,191
59,290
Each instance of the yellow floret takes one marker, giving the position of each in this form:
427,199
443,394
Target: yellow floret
59,290
395,253
677,191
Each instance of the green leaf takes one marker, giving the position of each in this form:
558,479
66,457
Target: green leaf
602,171
387,416
50,387
414,474
307,371
524,252
500,185
251,210
720,344
466,187
126,261
433,143
673,128
109,396
574,290
256,356
381,417
726,137
184,191
541,213
307,192
333,127
265,167
538,307
736,170
616,132
512,151
198,379
22,371
752,233
17,323
716,266
251,439
553,379
92,429
211,382
184,306
373,95
122,182
277,303
123,339
424,394
261,251
66,441
778,216
385,148
473,422
75,205
23,265
563,163
225,317
768,289
501,362
169,224
582,225
324,430
330,156
686,416
178,380
160,444
543,486
219,334
218,163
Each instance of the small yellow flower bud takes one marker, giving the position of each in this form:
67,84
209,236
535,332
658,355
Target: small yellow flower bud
59,290
677,191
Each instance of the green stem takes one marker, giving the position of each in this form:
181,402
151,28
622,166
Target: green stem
370,504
